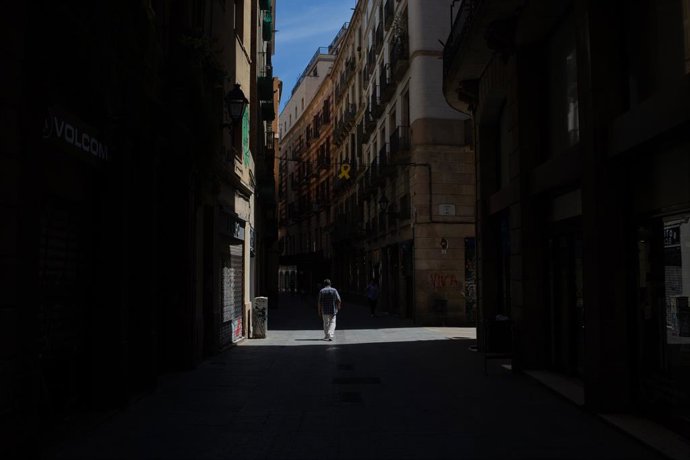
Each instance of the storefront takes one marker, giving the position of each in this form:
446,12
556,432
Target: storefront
69,231
233,320
662,202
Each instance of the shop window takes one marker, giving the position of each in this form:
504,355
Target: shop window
677,280
664,317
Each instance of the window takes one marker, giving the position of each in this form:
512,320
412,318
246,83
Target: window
677,279
239,19
564,128
664,311
326,111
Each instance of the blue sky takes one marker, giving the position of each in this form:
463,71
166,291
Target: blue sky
303,26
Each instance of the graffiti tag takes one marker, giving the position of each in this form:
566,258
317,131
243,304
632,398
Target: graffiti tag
443,280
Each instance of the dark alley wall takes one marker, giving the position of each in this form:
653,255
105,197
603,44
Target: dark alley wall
108,149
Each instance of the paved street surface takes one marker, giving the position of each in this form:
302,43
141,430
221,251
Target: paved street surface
382,390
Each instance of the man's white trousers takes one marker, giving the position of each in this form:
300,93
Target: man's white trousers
329,326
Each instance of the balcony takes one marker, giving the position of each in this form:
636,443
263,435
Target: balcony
371,60
368,179
378,39
369,122
375,173
349,116
297,149
386,83
399,143
340,185
350,69
310,172
466,53
384,168
377,107
399,55
265,88
338,132
323,161
268,111
388,14
363,182
365,76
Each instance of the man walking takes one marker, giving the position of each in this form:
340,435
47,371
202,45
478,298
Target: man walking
328,305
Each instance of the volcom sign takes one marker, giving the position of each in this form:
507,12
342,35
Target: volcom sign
59,127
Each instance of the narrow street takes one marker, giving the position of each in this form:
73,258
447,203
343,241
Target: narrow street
383,389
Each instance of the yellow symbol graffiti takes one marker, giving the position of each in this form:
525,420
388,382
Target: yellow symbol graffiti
344,171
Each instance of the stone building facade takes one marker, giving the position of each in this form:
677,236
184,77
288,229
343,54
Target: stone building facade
582,142
403,206
306,176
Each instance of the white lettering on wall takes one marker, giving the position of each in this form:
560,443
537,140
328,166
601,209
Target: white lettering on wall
56,127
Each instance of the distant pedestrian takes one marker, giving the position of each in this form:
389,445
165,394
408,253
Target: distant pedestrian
328,305
373,295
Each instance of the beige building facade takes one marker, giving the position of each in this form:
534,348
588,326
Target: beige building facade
306,175
404,210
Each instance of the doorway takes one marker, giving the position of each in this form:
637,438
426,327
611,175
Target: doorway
565,301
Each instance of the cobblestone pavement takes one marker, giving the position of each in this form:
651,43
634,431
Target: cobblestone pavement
382,389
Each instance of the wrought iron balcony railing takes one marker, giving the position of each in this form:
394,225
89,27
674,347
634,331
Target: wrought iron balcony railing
386,83
463,19
399,55
399,142
378,38
388,13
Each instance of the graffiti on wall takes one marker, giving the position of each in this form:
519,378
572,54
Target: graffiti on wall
470,278
443,280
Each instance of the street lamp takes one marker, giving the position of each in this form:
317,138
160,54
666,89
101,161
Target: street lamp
384,205
235,103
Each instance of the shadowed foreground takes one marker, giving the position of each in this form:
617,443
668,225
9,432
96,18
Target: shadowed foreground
382,389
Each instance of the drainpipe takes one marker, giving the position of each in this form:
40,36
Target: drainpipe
414,270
